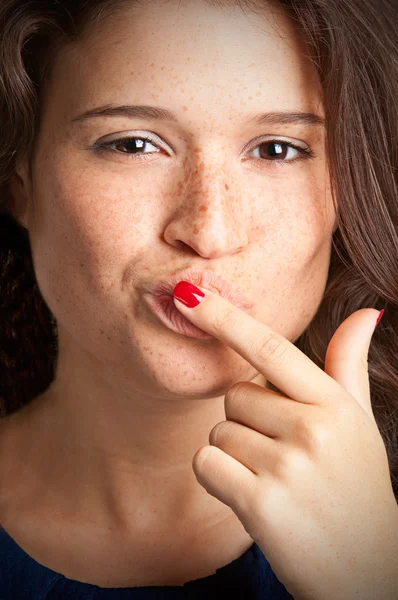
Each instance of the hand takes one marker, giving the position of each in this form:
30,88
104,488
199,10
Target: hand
307,472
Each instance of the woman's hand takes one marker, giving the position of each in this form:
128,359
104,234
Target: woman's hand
307,473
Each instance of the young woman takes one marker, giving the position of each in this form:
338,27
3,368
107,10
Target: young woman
233,439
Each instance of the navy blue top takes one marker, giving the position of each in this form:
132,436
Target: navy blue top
249,577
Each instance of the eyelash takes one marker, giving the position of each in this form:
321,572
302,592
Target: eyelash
108,147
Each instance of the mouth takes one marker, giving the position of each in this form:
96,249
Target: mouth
206,279
164,308
160,299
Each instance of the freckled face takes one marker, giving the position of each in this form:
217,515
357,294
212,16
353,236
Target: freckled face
207,191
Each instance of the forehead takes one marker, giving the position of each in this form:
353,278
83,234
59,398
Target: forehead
177,52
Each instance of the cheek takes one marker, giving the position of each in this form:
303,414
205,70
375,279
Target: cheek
80,239
294,232
90,216
307,252
294,241
293,285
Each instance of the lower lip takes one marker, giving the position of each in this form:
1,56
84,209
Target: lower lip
164,308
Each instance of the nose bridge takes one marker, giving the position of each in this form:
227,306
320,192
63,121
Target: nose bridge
209,218
209,171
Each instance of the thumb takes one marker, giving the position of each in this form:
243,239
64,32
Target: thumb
347,355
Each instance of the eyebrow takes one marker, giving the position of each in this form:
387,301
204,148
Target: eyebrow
163,114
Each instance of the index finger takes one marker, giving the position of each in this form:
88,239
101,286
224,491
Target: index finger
271,354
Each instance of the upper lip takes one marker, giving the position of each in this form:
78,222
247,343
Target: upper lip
205,279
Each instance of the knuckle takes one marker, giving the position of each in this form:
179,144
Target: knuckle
290,464
223,321
270,498
313,435
271,348
302,429
236,395
326,398
221,433
320,438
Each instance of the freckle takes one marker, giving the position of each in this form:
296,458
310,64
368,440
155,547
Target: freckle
226,186
152,64
195,230
250,97
184,108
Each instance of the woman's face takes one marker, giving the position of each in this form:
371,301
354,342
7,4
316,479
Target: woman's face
209,191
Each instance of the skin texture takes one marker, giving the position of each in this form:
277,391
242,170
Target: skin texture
133,401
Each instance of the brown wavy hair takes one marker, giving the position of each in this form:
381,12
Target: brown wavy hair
354,47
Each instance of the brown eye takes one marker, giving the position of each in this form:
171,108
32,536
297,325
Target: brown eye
273,150
281,153
131,145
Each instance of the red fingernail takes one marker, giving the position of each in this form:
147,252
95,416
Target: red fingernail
379,317
188,294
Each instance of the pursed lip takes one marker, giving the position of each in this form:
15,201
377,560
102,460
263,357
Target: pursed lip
205,279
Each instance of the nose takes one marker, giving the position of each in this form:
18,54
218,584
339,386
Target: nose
209,219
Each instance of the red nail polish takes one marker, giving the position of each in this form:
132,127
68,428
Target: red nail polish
188,294
379,317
